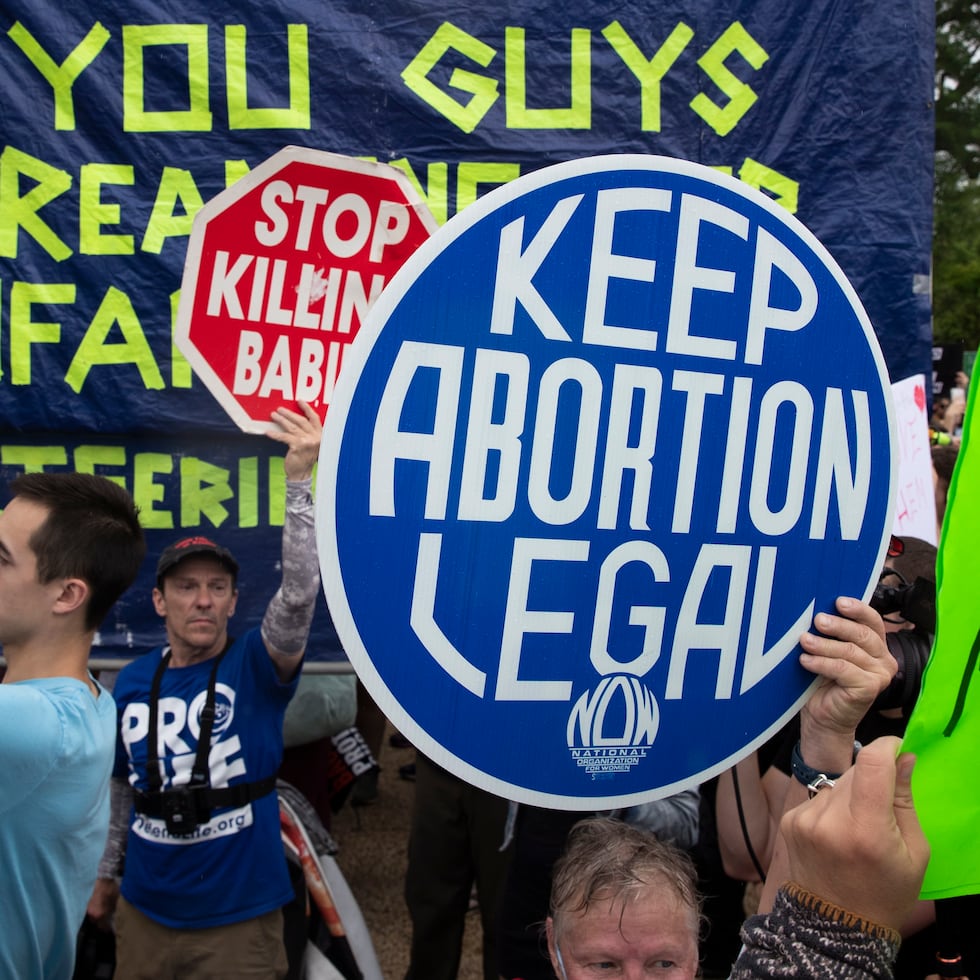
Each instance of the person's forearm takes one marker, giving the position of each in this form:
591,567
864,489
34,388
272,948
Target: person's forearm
823,748
286,624
760,821
120,809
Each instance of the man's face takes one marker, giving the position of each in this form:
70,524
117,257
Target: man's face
197,599
24,601
653,935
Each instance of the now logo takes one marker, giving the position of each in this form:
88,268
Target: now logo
621,711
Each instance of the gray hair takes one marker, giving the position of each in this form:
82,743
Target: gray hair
612,861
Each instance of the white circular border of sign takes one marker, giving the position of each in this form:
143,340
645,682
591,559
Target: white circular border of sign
357,358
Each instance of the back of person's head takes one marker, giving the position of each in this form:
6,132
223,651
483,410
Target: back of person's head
92,532
917,560
943,464
944,460
608,860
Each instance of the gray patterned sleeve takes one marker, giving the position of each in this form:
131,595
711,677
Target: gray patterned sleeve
120,808
287,619
804,937
674,818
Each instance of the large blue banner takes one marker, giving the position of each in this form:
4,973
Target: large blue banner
121,119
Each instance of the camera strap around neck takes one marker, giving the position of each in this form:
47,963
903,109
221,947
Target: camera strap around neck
200,775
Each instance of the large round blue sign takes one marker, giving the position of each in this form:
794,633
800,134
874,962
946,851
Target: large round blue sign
604,446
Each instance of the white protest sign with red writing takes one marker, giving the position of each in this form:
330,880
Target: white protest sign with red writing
281,270
915,504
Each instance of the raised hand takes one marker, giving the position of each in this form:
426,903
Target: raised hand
301,434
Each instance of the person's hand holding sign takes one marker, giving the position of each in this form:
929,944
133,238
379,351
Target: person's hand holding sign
854,664
301,434
856,858
850,655
859,845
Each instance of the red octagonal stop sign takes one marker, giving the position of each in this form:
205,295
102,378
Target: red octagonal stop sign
281,269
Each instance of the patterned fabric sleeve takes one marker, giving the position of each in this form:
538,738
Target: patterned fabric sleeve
806,937
287,619
120,808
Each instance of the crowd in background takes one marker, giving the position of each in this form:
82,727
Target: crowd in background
204,871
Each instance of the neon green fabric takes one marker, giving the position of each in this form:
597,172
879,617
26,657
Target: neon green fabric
944,730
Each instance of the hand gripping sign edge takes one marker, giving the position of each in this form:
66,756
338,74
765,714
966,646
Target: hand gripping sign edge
379,679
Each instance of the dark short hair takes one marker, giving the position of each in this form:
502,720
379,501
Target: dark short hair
917,560
92,532
606,859
944,460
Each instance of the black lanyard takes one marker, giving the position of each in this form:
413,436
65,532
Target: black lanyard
200,775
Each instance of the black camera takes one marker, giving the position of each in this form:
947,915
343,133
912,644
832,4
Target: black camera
911,649
915,602
183,810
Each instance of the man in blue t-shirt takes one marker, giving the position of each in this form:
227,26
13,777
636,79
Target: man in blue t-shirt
200,741
70,545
